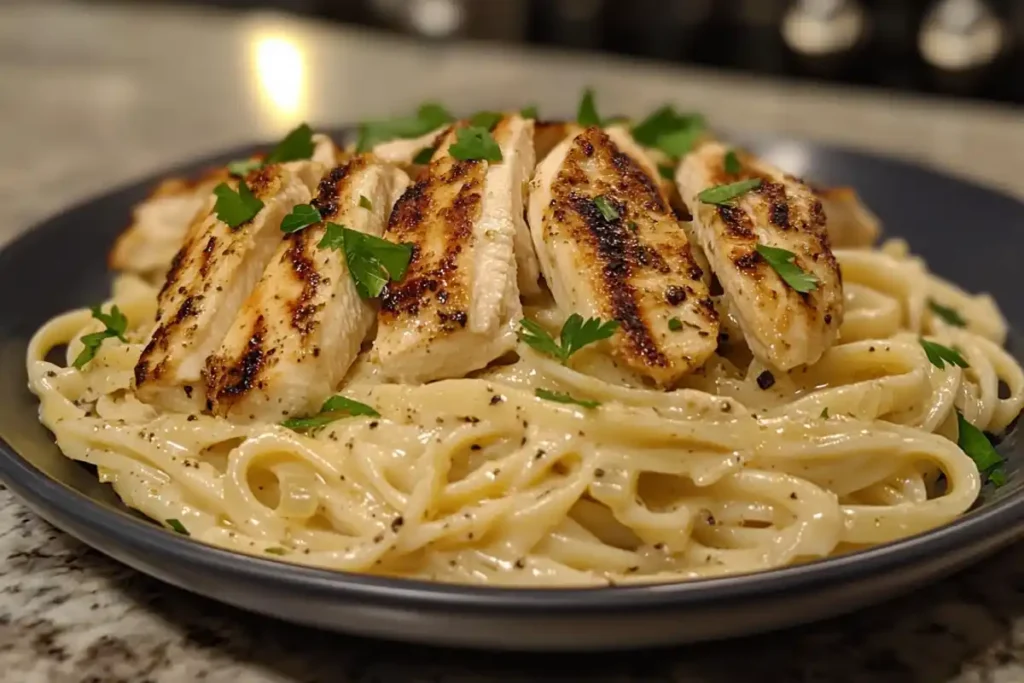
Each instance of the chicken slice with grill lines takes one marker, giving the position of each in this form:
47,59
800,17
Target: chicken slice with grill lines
783,327
610,247
457,307
303,325
209,279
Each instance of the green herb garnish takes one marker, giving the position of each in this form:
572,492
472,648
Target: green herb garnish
302,216
177,526
333,409
372,261
587,115
475,143
276,550
430,116
667,172
529,112
365,203
675,324
298,144
424,156
824,412
950,315
115,323
668,130
940,355
486,119
731,163
723,194
978,448
561,397
609,212
236,207
576,333
781,260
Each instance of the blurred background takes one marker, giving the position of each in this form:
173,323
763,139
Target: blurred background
960,48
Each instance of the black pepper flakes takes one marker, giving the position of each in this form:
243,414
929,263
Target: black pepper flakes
766,380
496,399
397,523
599,472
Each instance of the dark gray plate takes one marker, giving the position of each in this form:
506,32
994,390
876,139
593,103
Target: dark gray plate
967,233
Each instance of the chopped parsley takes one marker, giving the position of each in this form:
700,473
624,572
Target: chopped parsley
297,145
236,207
940,355
333,409
372,261
177,526
675,324
276,550
576,333
115,323
529,112
949,315
587,114
475,143
486,119
978,448
668,130
666,171
365,203
302,216
429,117
824,412
731,163
723,194
781,261
609,212
562,397
424,156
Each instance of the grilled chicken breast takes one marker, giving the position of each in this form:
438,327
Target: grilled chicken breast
635,266
210,277
160,223
302,326
850,223
457,306
782,327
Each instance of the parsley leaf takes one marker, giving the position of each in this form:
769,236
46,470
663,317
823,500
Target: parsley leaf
978,448
177,526
667,172
781,260
675,324
949,315
609,212
365,203
236,207
424,156
241,167
561,397
587,115
276,550
668,130
731,162
529,112
302,216
333,409
723,194
475,143
430,116
486,119
576,333
116,324
940,355
372,261
298,144
824,412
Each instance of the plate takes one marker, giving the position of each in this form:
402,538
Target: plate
967,233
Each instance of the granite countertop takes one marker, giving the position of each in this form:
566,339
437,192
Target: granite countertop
96,95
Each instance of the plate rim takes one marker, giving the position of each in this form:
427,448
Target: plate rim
998,524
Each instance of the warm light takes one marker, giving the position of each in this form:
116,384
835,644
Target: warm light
281,76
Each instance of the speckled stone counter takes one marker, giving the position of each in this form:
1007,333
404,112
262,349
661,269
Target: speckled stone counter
92,96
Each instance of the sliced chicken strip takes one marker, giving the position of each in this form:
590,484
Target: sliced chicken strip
210,277
301,328
404,151
850,223
635,266
784,328
457,307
